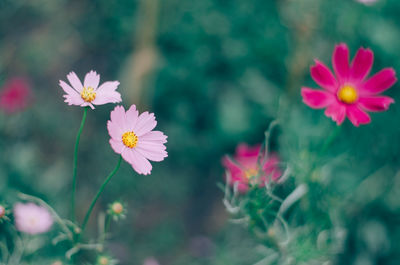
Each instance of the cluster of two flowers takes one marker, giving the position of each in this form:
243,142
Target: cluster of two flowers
131,136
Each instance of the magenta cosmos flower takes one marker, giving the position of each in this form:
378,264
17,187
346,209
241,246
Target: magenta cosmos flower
350,93
90,93
245,168
32,219
16,95
133,137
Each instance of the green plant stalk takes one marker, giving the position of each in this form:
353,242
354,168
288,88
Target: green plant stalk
75,162
89,212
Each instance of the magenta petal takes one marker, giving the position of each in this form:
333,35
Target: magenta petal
337,112
340,61
381,81
362,64
316,99
381,103
357,116
323,76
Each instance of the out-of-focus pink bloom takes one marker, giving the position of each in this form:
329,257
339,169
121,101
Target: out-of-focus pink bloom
245,168
133,137
350,94
16,95
150,261
90,93
32,219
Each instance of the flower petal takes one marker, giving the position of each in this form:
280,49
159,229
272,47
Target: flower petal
73,99
75,82
67,89
362,64
106,93
131,117
323,76
337,112
154,136
357,116
145,123
316,99
118,118
340,61
375,103
114,130
138,162
92,80
381,81
117,146
151,151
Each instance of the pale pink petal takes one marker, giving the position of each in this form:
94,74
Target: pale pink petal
145,123
114,130
316,99
357,116
75,82
92,80
340,61
118,118
152,152
73,99
106,93
131,118
87,104
156,136
381,81
138,162
362,64
337,112
117,146
67,89
323,76
381,103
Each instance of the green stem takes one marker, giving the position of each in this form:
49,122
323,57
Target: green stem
87,216
74,170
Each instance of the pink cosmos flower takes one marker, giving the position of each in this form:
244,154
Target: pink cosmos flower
133,137
245,167
350,94
32,219
90,93
16,95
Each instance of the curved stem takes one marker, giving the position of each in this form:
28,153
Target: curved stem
99,193
74,170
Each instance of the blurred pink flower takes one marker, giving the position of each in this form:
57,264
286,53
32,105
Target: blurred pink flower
90,93
244,168
16,95
350,93
31,218
133,138
150,261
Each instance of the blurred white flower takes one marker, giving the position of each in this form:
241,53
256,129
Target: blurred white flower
367,2
150,261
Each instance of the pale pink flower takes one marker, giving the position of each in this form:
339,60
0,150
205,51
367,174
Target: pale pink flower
15,95
246,168
150,261
90,93
350,94
133,137
32,219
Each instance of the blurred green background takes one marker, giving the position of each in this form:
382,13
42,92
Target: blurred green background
215,73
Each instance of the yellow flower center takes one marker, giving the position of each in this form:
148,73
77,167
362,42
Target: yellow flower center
88,94
347,94
103,260
117,208
130,139
250,173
